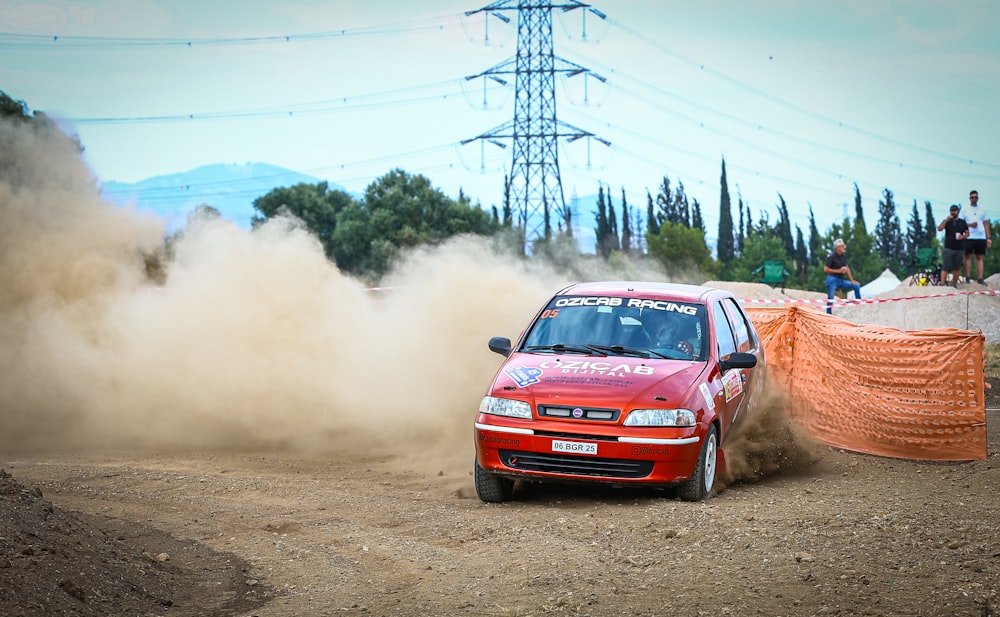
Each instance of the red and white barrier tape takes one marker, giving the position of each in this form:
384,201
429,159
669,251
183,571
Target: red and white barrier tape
845,301
824,301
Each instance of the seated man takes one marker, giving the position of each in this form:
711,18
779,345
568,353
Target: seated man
838,274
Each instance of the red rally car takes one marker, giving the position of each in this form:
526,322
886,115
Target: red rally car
621,383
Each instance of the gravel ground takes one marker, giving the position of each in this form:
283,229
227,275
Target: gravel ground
284,535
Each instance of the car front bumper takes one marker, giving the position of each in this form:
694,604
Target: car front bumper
547,450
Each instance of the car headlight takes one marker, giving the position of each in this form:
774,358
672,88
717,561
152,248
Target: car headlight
505,407
660,417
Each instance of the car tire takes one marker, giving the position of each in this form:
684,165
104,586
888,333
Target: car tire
699,486
492,488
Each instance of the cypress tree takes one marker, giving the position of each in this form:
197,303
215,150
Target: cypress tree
626,226
859,214
508,212
785,227
930,225
681,210
665,202
815,240
741,236
652,225
613,240
915,232
602,231
547,218
696,221
888,235
724,247
801,252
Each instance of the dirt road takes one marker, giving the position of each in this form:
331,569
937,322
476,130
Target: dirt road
380,535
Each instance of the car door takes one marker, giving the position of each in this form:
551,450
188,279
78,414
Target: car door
731,381
746,342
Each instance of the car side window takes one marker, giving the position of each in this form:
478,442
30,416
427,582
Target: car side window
740,326
723,331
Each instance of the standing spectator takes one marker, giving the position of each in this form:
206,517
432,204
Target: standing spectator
978,239
838,274
956,230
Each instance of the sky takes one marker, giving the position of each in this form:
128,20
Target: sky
802,99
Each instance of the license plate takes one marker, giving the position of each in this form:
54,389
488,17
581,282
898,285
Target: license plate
574,447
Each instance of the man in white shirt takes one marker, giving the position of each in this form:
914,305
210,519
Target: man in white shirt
979,236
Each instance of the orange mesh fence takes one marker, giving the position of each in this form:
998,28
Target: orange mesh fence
916,394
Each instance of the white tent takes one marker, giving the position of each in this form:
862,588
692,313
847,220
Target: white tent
886,281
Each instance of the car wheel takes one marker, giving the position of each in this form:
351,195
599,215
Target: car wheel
700,484
492,488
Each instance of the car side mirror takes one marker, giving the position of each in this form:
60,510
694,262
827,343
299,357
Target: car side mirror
500,345
737,360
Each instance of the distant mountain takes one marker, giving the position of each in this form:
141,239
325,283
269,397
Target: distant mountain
229,188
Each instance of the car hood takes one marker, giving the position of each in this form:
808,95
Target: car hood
610,382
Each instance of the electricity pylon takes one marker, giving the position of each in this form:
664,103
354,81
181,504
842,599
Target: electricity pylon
535,183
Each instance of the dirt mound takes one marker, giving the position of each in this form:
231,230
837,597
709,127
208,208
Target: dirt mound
54,562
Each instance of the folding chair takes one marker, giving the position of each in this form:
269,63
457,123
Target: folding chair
772,273
924,268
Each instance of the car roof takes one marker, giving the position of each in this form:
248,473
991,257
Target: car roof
644,289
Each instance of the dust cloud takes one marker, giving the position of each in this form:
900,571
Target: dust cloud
251,340
770,443
254,340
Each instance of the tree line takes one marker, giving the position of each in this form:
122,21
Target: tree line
675,236
364,236
398,211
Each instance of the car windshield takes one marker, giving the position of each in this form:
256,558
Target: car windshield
602,325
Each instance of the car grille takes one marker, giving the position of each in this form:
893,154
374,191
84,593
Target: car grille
576,465
556,435
579,413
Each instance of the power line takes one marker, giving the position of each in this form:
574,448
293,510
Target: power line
762,128
348,103
56,42
345,103
10,40
782,102
435,24
735,166
289,111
